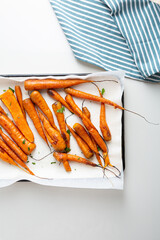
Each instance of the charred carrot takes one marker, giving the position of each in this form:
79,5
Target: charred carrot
37,98
80,130
73,158
86,112
55,95
57,142
37,84
30,109
83,95
57,107
11,103
13,146
18,93
83,146
16,135
14,156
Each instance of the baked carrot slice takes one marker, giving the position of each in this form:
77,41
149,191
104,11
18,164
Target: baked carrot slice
58,142
14,156
11,103
37,84
13,146
86,112
18,93
73,158
58,110
81,131
16,135
37,98
30,109
55,95
88,153
84,95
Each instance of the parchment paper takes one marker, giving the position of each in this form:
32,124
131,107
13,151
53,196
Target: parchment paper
82,176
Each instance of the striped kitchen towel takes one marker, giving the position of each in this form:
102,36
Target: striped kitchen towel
114,34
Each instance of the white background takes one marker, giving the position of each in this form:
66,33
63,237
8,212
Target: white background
31,41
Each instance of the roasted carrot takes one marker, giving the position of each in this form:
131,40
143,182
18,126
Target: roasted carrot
14,156
67,166
37,98
11,103
37,84
2,111
83,95
80,130
86,112
83,146
30,109
5,157
103,123
97,154
18,93
57,107
13,146
57,142
106,160
16,135
55,95
69,157
88,124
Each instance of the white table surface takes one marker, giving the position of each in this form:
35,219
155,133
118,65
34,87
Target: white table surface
32,42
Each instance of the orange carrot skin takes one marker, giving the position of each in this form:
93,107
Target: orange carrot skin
58,142
83,146
37,84
67,166
5,157
80,130
83,95
64,157
106,160
61,121
86,112
55,95
37,98
16,135
18,93
13,146
2,111
14,156
30,109
9,99
103,124
94,133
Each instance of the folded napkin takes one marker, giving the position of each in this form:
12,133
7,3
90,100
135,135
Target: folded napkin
114,34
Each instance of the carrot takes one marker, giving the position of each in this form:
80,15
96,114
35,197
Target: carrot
83,146
30,109
87,123
57,107
2,111
83,95
97,154
11,103
67,166
13,146
103,123
37,98
14,156
86,112
69,157
55,95
18,93
106,160
80,130
16,135
5,157
57,141
37,84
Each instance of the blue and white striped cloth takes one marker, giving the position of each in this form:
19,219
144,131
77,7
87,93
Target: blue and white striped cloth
114,34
